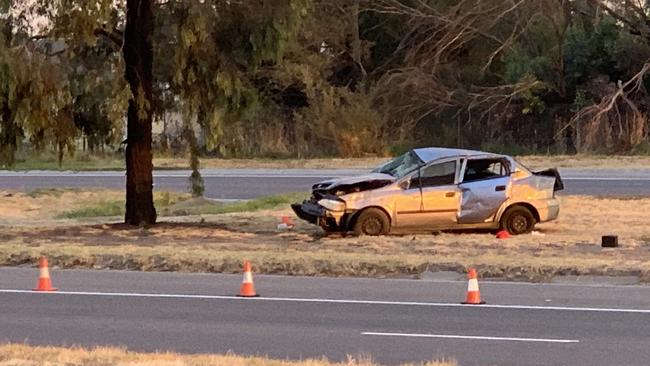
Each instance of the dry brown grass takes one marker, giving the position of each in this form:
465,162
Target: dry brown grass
18,207
533,161
332,163
22,355
218,243
587,161
47,204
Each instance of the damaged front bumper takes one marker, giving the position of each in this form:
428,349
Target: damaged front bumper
317,214
309,211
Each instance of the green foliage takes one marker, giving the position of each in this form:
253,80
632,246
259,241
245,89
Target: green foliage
593,50
223,49
322,77
99,97
78,162
34,95
520,64
642,149
101,209
581,100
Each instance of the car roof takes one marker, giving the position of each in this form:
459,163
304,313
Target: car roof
429,154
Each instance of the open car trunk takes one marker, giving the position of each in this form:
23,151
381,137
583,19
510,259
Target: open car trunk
554,173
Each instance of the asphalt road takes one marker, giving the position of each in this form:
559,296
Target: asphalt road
251,183
393,321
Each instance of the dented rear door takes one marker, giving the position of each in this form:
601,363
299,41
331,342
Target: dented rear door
481,197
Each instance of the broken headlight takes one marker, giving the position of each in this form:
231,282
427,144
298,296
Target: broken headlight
332,205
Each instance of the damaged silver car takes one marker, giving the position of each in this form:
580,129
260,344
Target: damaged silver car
432,189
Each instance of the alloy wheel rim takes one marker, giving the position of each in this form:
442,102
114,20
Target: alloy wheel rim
519,224
372,226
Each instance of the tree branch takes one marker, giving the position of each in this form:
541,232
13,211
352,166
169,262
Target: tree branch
116,36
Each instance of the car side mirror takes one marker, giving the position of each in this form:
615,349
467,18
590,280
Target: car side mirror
405,184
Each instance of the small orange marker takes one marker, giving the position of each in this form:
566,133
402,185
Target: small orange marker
247,287
503,234
287,221
473,293
44,280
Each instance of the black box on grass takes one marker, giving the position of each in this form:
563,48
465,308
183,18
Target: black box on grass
610,241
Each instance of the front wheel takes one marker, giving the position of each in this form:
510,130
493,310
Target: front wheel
518,220
373,222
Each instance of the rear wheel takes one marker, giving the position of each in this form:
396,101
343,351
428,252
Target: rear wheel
518,220
373,222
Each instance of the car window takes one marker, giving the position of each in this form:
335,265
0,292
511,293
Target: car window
442,174
481,169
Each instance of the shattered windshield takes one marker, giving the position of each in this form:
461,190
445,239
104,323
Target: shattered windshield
401,165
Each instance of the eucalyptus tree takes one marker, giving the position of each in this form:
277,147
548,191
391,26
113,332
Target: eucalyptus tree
215,45
34,94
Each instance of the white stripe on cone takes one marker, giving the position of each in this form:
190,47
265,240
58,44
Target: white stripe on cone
248,277
472,285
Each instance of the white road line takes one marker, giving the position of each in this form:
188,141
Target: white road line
446,336
330,301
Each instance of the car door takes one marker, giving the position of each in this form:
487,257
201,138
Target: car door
440,194
485,186
408,203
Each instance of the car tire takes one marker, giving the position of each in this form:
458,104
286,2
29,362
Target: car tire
518,220
372,222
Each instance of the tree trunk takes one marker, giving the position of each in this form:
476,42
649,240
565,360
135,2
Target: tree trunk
356,39
138,60
197,185
8,138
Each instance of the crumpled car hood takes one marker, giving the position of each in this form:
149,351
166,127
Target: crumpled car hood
378,178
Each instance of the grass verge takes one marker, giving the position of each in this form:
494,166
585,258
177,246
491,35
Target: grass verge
23,355
79,162
220,242
173,204
115,206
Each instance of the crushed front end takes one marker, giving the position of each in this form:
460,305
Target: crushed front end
327,205
327,213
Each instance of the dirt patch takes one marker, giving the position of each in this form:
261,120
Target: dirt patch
18,207
219,243
23,355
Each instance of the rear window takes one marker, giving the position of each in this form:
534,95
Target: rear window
481,169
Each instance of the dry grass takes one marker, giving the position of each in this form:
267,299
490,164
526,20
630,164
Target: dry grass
22,355
534,161
218,243
84,162
586,161
47,204
331,163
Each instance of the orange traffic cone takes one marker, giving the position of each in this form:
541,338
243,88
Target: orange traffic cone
44,281
503,234
247,287
473,293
